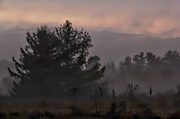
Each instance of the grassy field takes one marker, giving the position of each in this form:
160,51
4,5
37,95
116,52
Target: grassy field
119,108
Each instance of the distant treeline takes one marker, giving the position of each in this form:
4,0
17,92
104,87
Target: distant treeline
149,66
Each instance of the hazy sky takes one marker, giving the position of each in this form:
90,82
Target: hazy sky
158,20
150,17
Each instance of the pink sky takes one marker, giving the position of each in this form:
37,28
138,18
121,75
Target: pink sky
149,17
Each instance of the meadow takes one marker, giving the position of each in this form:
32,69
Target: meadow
119,107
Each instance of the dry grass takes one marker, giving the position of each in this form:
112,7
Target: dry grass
59,108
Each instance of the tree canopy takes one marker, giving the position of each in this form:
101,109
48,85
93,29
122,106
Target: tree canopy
54,60
150,66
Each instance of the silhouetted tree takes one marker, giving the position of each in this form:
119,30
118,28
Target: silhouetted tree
52,60
171,63
126,66
171,59
127,62
139,60
153,65
152,60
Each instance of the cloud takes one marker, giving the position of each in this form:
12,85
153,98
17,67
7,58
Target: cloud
143,17
171,32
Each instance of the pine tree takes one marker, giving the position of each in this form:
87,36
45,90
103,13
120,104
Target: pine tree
53,60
